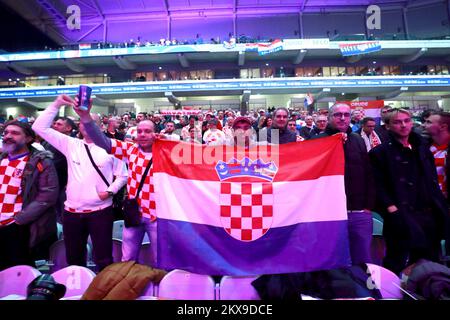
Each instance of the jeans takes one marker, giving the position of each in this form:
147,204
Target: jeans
78,227
132,239
360,228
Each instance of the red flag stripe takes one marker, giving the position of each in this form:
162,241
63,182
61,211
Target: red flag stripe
295,161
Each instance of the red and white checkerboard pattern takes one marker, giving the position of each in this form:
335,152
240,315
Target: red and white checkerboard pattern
137,162
131,133
246,209
10,178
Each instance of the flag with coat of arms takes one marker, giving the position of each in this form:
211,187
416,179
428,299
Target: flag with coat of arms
267,210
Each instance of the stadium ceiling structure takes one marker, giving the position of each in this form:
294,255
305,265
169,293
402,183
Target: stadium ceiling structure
50,16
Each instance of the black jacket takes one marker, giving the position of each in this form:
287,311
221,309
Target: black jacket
407,178
60,163
285,136
39,187
305,132
359,183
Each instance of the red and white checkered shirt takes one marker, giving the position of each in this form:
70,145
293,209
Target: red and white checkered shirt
137,162
440,153
11,172
131,133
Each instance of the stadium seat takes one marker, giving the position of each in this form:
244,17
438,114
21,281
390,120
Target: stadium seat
445,256
118,229
149,291
386,281
377,216
237,288
146,239
59,231
76,279
377,227
378,246
57,256
117,250
377,250
183,285
14,281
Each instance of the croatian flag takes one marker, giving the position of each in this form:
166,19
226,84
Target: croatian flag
84,46
274,209
309,100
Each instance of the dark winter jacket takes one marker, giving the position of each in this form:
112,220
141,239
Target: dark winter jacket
285,136
39,193
407,178
359,183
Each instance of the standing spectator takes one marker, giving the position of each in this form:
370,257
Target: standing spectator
355,123
259,120
137,155
65,126
371,138
437,126
381,129
408,196
228,128
262,133
132,130
28,191
321,125
292,126
305,131
88,206
359,185
193,123
243,134
104,123
112,129
158,123
220,120
278,133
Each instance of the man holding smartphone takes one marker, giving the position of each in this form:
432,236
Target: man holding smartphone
138,155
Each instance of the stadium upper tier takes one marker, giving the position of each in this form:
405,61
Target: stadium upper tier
286,52
320,47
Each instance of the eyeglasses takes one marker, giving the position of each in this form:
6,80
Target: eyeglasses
340,114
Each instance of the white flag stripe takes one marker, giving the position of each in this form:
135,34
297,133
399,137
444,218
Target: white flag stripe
197,201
